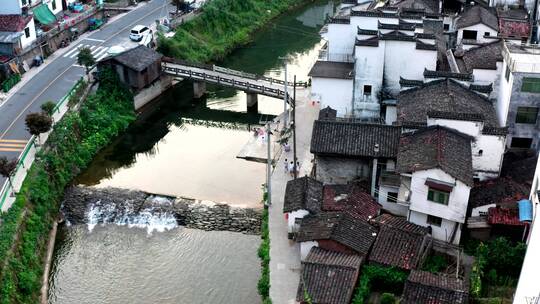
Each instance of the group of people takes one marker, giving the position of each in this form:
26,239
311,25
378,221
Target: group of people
289,167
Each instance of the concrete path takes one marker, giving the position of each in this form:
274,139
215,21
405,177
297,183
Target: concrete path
284,253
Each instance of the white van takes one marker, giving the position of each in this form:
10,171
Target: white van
138,32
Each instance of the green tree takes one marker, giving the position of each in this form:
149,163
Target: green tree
48,107
86,59
37,123
7,168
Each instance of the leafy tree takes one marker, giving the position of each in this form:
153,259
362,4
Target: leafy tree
388,298
86,59
7,168
37,123
48,107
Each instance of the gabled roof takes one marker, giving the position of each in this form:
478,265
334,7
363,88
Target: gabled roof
482,57
332,69
13,23
475,15
399,243
502,190
445,95
429,6
303,193
351,139
329,277
327,114
437,147
351,199
424,287
356,234
138,58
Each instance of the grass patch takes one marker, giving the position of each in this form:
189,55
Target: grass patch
222,26
69,149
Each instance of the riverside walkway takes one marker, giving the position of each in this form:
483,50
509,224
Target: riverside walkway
285,253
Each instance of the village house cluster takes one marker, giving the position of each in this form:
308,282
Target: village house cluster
428,133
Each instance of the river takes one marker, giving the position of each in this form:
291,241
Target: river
185,147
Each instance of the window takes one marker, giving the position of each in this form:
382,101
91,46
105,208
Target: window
507,73
391,197
438,196
521,142
526,115
470,35
53,5
486,34
367,89
27,32
480,152
531,85
434,220
446,26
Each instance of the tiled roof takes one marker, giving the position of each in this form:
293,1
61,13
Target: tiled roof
396,35
398,222
13,23
456,116
475,15
399,242
340,227
327,114
447,74
429,6
352,199
444,95
481,88
138,58
502,190
329,277
482,57
424,287
399,26
425,46
373,41
332,69
339,20
409,82
303,193
354,139
362,31
437,147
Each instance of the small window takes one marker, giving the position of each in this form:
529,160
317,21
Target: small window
446,27
438,196
507,73
469,35
434,220
391,197
521,143
531,85
27,32
486,34
367,89
526,115
480,152
53,5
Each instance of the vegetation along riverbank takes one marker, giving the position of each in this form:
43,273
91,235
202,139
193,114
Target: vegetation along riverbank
222,26
70,147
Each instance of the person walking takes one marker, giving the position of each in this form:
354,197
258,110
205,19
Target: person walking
286,166
291,169
297,167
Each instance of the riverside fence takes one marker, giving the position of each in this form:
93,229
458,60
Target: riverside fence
13,184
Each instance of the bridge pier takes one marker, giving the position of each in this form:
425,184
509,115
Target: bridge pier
252,102
199,89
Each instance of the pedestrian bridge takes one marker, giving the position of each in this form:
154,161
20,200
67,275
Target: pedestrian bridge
250,83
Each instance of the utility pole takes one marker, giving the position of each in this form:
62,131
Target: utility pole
286,95
293,124
268,166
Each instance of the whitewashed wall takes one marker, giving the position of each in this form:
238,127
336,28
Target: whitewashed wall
341,38
471,128
369,69
488,165
391,115
291,226
457,203
28,41
305,247
336,93
394,208
503,98
443,233
58,6
480,29
485,77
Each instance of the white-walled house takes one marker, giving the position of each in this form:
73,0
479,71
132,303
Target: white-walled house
476,25
17,32
518,100
528,289
302,197
435,164
450,104
55,5
332,85
484,62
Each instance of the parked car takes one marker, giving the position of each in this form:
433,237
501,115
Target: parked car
138,32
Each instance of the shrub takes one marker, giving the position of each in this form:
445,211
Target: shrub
48,107
435,263
382,278
263,286
388,298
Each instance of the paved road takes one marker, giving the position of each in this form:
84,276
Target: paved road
57,78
